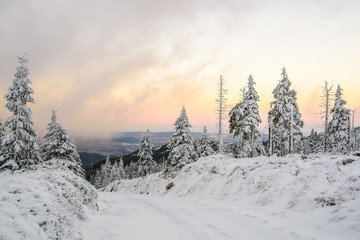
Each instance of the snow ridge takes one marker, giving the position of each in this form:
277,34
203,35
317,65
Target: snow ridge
262,180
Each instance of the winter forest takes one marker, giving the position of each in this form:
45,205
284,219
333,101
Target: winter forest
184,167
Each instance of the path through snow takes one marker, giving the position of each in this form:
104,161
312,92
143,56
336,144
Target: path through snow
153,217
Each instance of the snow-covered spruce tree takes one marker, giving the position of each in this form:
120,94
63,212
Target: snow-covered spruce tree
313,143
117,171
145,162
131,170
121,169
106,172
284,119
244,118
204,149
235,116
339,126
114,172
181,144
98,179
59,146
20,145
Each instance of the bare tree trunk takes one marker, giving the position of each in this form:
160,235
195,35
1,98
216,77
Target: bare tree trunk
221,109
326,98
270,140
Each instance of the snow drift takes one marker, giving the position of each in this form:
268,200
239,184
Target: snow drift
294,181
47,202
317,191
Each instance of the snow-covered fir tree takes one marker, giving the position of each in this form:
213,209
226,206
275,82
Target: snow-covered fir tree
59,146
121,169
97,182
204,149
132,170
284,119
339,126
235,116
181,144
244,118
106,171
146,162
117,171
313,143
21,144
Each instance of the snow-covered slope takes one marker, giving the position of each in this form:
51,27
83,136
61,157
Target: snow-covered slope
319,194
289,182
45,203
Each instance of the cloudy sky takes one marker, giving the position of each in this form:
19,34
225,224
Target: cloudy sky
109,66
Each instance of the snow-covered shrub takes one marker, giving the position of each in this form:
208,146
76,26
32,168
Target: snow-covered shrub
47,202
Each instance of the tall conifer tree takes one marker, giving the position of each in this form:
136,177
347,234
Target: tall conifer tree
339,126
21,144
59,146
181,144
205,149
146,162
243,122
285,119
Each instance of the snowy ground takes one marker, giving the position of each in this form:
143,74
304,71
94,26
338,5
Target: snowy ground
48,202
224,198
132,217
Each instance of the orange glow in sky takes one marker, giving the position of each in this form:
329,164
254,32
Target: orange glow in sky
129,66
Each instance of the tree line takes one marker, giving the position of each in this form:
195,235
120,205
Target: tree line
20,145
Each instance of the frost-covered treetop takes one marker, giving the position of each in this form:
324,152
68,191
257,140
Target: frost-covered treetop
250,103
338,100
282,91
19,92
182,119
251,93
181,128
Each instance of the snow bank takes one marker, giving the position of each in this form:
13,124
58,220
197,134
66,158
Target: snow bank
294,182
45,203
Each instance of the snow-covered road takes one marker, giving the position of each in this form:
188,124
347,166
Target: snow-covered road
153,217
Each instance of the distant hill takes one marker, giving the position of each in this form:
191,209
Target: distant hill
89,159
120,144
